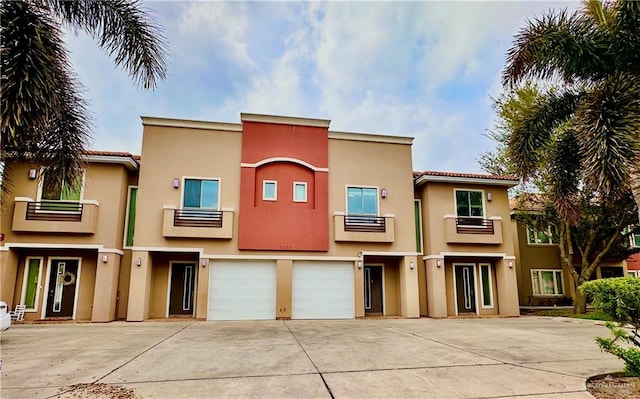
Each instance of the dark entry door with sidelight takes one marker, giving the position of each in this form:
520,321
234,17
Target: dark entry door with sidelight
182,288
61,293
373,289
465,288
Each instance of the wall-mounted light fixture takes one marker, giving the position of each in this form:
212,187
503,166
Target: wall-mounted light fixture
489,197
438,263
510,264
32,174
176,182
412,265
203,262
359,264
105,258
383,193
138,261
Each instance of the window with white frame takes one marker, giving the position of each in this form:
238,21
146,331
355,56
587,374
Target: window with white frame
547,282
269,190
633,273
634,240
31,282
487,285
362,201
299,191
469,203
535,236
201,193
63,191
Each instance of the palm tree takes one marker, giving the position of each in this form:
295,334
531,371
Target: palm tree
593,117
44,118
581,136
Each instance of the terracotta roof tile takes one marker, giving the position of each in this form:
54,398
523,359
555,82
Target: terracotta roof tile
463,175
109,153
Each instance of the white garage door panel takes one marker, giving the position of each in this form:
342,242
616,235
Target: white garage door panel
322,290
242,290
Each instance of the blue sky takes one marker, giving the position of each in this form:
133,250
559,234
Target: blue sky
422,69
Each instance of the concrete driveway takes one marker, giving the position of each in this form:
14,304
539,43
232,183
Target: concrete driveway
531,357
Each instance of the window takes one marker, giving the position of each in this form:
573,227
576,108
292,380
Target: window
633,273
299,191
547,282
62,192
540,236
362,201
31,283
487,285
469,203
201,193
131,217
269,190
634,240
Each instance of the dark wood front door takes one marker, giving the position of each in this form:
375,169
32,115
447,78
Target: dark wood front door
61,293
465,288
373,289
182,287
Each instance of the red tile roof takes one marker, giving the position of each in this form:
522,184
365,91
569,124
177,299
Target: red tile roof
633,262
463,175
110,154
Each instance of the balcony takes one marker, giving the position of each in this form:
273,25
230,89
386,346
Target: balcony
65,217
197,223
363,228
473,230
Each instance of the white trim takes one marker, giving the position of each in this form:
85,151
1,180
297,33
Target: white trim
555,284
126,217
383,253
190,124
99,248
468,180
373,138
384,307
126,161
633,273
24,282
470,254
184,178
23,199
490,266
346,198
284,120
275,190
433,257
304,184
283,159
455,203
46,287
455,288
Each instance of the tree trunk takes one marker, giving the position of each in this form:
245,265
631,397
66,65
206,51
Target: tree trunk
580,302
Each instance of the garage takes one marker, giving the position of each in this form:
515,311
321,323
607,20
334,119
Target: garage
242,290
322,290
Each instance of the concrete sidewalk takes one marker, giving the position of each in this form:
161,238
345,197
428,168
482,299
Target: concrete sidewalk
531,357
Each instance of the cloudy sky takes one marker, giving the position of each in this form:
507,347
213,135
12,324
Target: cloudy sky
422,69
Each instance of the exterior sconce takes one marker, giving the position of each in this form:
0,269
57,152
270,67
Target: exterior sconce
439,263
203,262
359,264
489,196
176,182
412,265
105,258
383,193
32,174
138,261
510,264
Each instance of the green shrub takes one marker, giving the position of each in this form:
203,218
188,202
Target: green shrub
620,298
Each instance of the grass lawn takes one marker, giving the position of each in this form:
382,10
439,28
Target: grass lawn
592,314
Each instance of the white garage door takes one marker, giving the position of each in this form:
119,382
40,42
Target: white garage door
322,290
242,290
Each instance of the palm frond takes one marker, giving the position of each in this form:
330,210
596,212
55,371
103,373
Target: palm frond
532,129
126,31
625,43
608,124
600,12
556,45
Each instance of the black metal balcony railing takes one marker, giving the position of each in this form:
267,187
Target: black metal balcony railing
474,226
369,224
197,218
57,211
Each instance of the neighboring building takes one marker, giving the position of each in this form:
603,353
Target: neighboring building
62,253
468,252
272,218
633,262
541,279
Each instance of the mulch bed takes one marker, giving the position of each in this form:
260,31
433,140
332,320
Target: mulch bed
614,387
